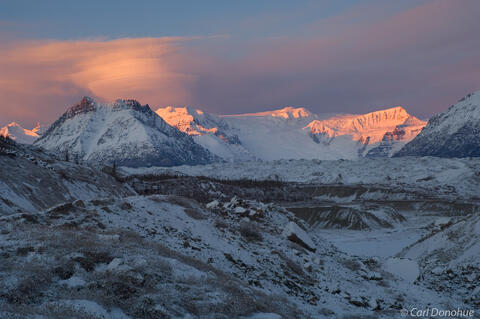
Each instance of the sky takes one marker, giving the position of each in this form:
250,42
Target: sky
228,57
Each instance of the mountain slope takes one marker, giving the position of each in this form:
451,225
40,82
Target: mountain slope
123,131
454,133
264,135
295,133
21,135
208,130
389,127
372,124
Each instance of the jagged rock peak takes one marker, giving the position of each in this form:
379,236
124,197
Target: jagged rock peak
87,104
16,132
130,104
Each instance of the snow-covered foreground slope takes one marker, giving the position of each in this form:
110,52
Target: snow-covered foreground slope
163,256
294,133
447,177
449,257
124,132
19,134
32,181
76,242
454,133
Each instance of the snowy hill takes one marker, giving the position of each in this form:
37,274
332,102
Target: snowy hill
21,135
123,131
295,133
453,133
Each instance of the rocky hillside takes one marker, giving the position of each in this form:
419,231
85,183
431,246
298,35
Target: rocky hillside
36,180
454,133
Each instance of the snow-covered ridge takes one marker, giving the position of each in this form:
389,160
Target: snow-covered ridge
287,133
189,120
288,112
453,133
372,125
21,135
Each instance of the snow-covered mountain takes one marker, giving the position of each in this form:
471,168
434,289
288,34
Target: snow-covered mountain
376,133
21,135
123,131
208,130
454,133
275,134
294,133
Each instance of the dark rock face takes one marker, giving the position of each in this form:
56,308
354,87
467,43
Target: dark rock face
463,143
85,105
454,133
388,140
381,150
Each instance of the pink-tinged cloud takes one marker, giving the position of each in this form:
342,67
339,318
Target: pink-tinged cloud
40,79
422,57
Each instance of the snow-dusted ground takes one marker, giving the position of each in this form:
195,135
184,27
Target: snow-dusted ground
77,243
200,256
371,243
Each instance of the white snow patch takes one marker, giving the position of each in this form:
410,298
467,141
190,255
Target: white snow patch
406,269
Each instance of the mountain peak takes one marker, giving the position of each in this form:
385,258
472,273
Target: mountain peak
372,125
390,113
85,105
123,131
16,132
292,112
130,104
288,112
178,111
190,120
13,124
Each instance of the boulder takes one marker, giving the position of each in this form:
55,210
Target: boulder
294,233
